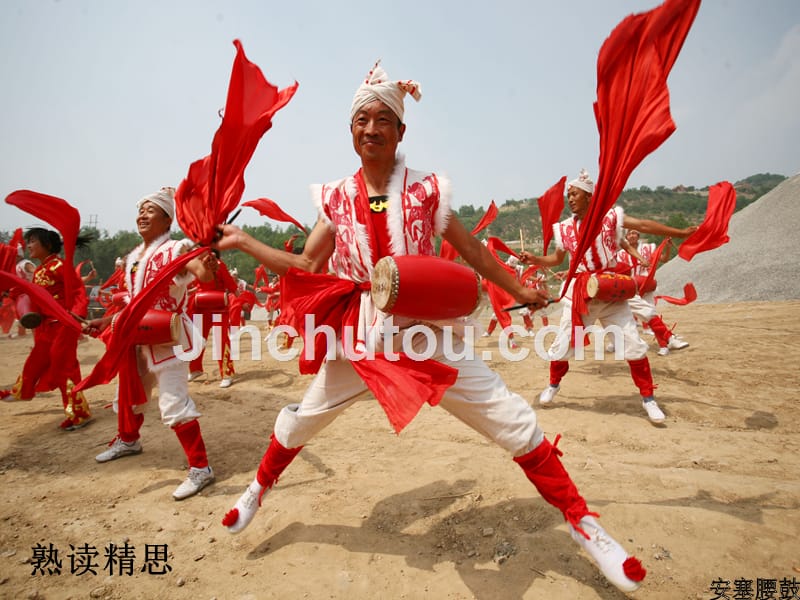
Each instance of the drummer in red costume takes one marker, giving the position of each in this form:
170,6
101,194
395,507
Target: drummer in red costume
600,258
643,304
157,364
53,361
387,209
224,285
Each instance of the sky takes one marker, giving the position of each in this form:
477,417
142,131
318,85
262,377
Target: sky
105,101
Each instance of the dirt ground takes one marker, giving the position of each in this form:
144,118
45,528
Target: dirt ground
436,512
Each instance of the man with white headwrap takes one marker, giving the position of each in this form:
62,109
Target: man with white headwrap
157,364
600,258
386,209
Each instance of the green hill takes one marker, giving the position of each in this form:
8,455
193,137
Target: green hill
680,207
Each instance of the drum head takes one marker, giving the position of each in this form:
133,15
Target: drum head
384,284
592,285
30,320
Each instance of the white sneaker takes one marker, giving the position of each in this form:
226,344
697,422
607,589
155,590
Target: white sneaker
485,334
196,481
547,395
195,375
226,382
610,348
677,343
653,411
245,508
663,351
608,554
118,449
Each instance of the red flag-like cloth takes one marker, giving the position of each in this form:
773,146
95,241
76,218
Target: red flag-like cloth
689,296
632,108
449,253
9,252
270,209
401,386
498,297
215,184
551,205
41,299
654,261
67,220
126,322
713,231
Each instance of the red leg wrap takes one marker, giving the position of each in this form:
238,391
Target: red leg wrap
543,468
130,436
660,330
275,460
558,368
641,375
192,441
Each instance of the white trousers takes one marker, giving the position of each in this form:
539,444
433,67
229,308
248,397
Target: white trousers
174,402
616,314
479,398
644,306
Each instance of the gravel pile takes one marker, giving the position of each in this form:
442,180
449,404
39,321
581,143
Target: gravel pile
760,263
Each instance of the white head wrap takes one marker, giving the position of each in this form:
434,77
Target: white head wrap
583,182
377,86
163,198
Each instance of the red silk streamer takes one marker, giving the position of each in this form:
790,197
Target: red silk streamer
270,209
67,220
9,252
551,205
449,253
632,108
498,297
713,231
215,184
401,386
689,296
41,299
128,319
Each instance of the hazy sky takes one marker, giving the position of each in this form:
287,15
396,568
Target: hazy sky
105,101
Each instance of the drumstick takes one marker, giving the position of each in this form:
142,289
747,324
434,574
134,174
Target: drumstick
233,217
518,306
521,241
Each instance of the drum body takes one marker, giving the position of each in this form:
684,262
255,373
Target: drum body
644,289
156,327
210,301
424,287
26,312
611,287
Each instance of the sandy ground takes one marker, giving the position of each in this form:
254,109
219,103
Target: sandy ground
437,512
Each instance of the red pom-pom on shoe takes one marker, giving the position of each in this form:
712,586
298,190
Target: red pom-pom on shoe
633,569
232,516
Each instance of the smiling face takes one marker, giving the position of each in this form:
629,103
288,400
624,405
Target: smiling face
152,221
632,237
578,201
376,132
